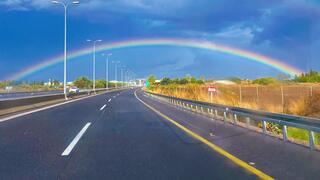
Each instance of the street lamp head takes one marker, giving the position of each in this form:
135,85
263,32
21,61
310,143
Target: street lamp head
55,2
104,54
88,40
75,2
99,40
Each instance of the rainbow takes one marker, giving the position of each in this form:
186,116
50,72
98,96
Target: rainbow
268,61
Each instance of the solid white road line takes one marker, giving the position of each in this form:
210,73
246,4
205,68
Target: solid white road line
47,107
41,109
67,151
109,100
103,107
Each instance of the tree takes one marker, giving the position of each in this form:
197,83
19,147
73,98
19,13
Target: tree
82,82
152,79
235,80
265,81
3,84
183,81
193,80
200,81
100,83
165,81
312,77
55,83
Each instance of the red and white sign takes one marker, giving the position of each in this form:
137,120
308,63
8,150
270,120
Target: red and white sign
212,89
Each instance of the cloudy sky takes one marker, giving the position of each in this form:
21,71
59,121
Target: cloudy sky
32,31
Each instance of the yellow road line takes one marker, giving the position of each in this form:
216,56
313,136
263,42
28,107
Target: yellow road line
216,148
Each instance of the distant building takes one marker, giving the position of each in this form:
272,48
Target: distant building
114,81
225,82
140,82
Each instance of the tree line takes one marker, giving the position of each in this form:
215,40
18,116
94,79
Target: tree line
81,82
167,81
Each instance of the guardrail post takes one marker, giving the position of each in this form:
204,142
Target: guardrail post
201,109
248,122
264,127
225,117
216,113
311,140
235,119
211,112
285,133
196,108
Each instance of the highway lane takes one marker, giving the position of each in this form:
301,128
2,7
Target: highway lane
125,140
16,95
132,142
31,145
271,155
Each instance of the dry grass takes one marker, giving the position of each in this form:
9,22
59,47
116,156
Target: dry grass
299,99
309,106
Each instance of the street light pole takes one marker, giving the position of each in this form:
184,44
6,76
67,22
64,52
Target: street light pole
116,72
107,69
65,5
122,77
94,63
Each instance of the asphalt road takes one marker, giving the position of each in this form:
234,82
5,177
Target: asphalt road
16,95
114,136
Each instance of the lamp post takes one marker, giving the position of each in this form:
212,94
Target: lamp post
94,62
107,70
122,68
65,5
115,71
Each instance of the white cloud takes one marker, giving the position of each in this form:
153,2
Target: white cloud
25,4
13,4
40,3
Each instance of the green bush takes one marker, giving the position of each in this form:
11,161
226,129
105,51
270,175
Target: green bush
265,81
311,77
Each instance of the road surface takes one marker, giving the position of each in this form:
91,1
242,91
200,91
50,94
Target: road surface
16,95
115,136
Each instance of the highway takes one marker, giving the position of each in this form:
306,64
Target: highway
126,135
16,95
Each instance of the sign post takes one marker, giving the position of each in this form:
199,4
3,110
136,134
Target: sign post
211,90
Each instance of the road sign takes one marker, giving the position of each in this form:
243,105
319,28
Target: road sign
147,83
212,89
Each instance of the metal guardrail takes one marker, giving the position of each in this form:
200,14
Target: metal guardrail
11,103
246,117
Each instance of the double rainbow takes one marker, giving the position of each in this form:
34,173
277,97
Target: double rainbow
268,61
